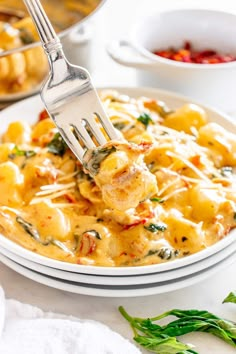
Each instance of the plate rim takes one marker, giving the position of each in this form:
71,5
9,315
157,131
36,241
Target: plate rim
129,280
83,290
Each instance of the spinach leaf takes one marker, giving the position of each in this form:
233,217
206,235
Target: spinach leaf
93,233
163,253
92,164
29,228
158,200
18,152
57,145
155,227
33,232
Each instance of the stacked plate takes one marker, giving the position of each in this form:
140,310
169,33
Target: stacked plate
120,281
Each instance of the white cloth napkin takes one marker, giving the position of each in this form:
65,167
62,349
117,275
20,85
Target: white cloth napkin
25,329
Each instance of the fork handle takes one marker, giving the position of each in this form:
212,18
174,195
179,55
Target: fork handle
49,39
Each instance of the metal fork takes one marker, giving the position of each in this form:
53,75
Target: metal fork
68,94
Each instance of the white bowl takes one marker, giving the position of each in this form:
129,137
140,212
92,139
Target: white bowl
28,109
210,83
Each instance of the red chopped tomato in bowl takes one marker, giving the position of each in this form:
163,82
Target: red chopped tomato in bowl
187,54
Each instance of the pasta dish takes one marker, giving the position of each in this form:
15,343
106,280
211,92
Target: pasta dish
167,190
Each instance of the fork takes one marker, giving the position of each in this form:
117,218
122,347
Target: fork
68,93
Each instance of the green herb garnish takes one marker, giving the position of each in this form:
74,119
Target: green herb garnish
147,335
145,119
57,145
155,227
231,297
158,200
163,344
151,335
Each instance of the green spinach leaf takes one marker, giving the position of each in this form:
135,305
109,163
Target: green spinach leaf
57,145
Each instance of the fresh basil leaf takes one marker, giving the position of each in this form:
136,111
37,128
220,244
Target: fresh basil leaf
188,321
152,339
231,297
166,345
199,321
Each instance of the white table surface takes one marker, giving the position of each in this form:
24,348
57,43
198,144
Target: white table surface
114,21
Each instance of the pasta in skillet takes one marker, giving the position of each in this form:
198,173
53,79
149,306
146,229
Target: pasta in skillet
166,193
20,71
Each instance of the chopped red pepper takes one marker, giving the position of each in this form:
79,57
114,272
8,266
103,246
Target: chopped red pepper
187,54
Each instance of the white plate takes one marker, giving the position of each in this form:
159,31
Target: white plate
29,109
124,280
123,291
